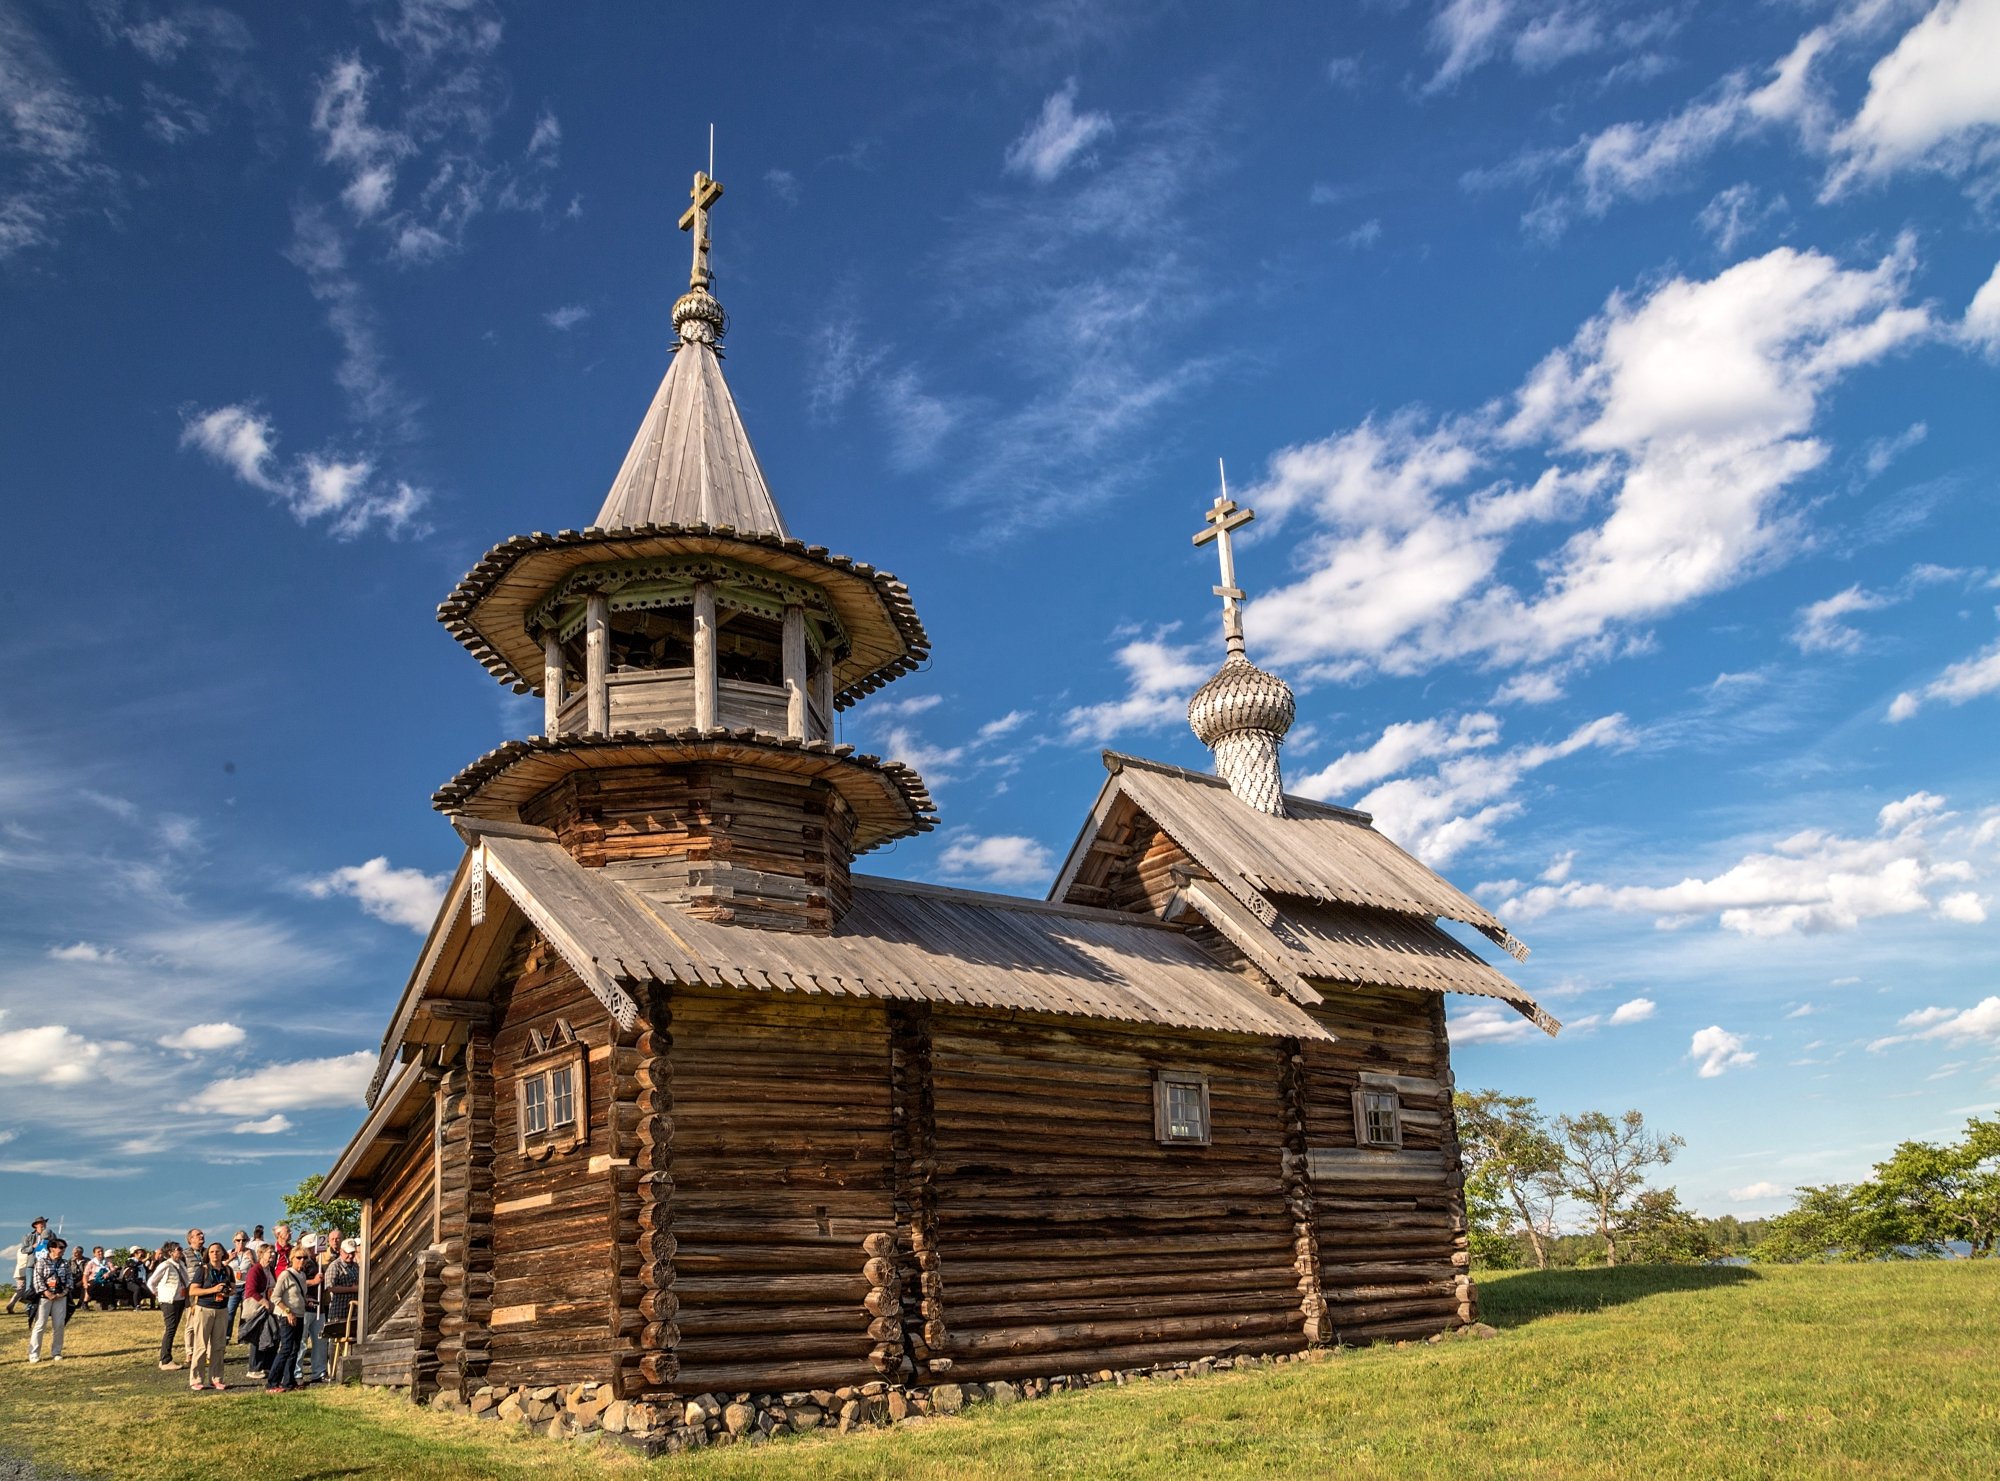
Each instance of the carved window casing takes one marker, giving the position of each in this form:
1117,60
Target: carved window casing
1180,1108
551,1105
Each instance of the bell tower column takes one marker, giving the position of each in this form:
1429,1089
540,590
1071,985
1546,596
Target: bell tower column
704,655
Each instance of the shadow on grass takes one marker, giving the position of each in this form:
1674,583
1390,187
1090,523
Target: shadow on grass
1520,1297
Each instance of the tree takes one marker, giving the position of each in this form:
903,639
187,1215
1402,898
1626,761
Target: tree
1927,1196
1833,1221
1512,1163
308,1210
1657,1230
1603,1165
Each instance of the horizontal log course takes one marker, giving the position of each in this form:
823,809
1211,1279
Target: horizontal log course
715,1348
966,1316
1056,1337
1169,1213
1140,1282
771,1377
829,1289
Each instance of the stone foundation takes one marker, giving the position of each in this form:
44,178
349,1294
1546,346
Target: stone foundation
587,1411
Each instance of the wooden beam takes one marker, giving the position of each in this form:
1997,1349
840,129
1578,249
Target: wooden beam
704,655
552,684
455,1009
597,657
795,671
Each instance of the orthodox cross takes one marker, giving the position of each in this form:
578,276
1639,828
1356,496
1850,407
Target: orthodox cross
706,193
1223,516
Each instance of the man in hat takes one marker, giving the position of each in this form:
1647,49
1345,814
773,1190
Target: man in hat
55,1279
32,1249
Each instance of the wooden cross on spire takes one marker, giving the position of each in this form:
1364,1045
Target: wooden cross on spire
1223,517
706,193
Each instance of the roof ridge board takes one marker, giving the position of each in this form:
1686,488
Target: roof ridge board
1326,811
998,900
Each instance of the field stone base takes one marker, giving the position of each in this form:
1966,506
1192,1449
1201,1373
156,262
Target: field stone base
589,1412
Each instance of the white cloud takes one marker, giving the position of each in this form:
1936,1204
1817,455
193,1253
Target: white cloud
993,729
916,420
1056,138
302,1084
270,1126
46,138
1755,1192
1979,1023
403,897
1735,214
1820,629
783,184
49,1055
1965,907
1982,316
1160,677
1637,1010
1002,858
345,493
1439,815
83,951
366,152
1933,101
1400,747
205,1036
1813,881
1969,678
1485,1024
1717,1051
1691,407
1804,1010
566,318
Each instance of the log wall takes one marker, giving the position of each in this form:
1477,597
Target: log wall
548,1314
1068,1238
1389,1225
782,1192
722,842
400,1218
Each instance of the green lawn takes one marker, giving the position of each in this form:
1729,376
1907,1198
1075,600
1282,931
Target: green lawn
1863,1371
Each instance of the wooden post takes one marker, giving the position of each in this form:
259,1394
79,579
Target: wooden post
795,672
552,685
704,655
822,691
597,657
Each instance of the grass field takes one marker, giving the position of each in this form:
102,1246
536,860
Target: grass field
1851,1371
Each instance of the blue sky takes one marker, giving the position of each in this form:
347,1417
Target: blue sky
1615,385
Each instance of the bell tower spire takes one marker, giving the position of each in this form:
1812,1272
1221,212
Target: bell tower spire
1242,713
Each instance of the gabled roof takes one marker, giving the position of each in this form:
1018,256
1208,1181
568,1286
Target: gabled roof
905,942
1315,897
691,462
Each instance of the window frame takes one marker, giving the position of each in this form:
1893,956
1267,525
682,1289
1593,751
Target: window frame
1163,1124
1363,1136
539,1068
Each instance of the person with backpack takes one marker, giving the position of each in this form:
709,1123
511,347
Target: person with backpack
55,1282
169,1285
208,1293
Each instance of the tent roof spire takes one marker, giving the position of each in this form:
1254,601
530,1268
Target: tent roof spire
692,462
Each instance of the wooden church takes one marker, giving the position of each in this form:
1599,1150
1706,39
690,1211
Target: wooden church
677,1101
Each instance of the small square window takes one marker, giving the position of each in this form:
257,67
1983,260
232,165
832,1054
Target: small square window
534,1105
1180,1107
562,1097
1378,1118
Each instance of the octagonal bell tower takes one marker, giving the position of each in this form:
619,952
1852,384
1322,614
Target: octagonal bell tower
691,654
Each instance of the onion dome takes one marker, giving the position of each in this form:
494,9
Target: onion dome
1241,696
1242,713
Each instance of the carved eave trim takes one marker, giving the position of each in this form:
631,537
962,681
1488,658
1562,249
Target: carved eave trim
489,610
888,799
603,986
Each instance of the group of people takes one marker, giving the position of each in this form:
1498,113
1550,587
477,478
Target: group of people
287,1302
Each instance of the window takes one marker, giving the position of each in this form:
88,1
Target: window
1180,1108
562,1096
1378,1118
535,1105
553,1111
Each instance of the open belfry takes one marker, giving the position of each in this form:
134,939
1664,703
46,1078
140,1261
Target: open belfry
677,1103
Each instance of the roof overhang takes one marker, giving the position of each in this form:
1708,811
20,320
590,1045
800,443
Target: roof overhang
888,799
395,1110
488,610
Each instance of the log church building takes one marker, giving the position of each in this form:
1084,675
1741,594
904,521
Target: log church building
678,1102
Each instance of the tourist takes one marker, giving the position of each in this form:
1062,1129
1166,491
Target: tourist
305,1263
32,1249
55,1282
240,1261
132,1277
79,1288
282,1238
192,1253
100,1279
208,1291
340,1285
288,1305
169,1285
256,1309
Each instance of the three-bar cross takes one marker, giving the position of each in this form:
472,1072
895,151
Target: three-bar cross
1223,516
706,193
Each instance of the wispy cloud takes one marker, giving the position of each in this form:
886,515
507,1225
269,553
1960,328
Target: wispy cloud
999,858
348,494
403,897
303,1084
1160,677
1968,679
1057,138
51,161
566,318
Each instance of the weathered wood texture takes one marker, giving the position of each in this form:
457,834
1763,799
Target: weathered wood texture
642,1207
721,842
401,1213
1068,1237
465,1210
544,1306
783,1213
1389,1225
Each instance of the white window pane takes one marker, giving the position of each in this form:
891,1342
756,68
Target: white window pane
563,1094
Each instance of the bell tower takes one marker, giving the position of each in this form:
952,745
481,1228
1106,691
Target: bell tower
691,654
